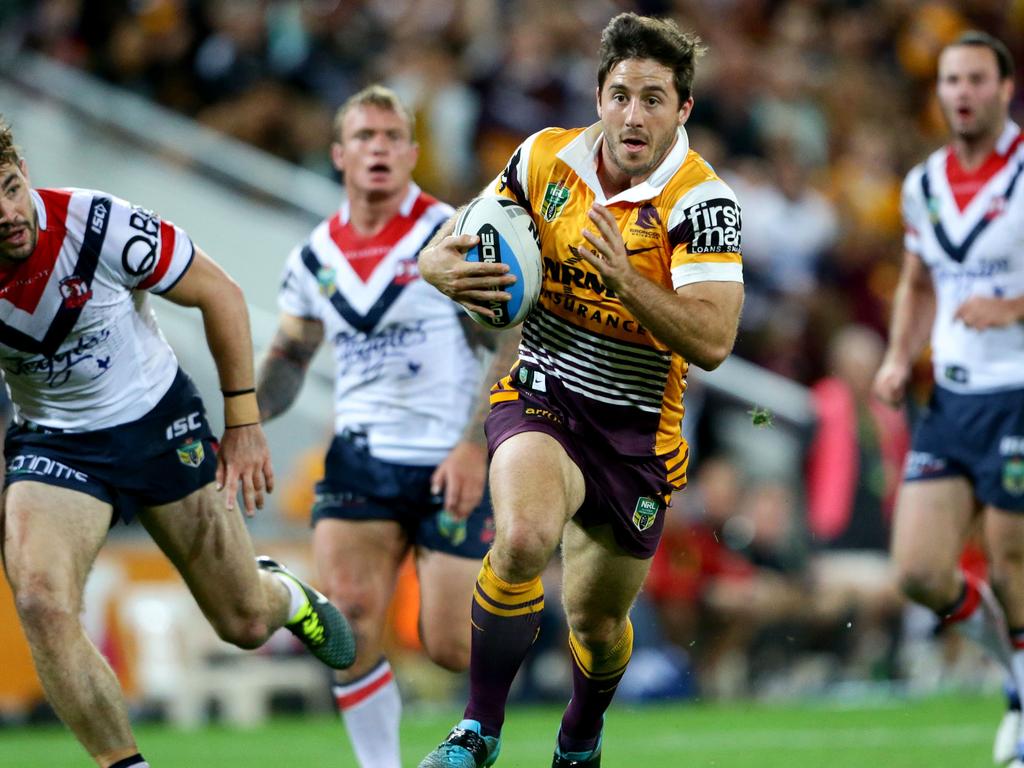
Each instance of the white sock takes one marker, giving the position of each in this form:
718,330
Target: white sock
372,708
297,598
1015,681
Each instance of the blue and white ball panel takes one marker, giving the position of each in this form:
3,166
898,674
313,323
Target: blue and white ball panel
976,436
495,249
507,236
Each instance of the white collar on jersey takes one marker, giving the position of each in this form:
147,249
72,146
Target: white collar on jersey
40,208
580,154
345,210
1006,138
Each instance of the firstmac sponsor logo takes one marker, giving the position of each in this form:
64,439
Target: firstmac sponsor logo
715,225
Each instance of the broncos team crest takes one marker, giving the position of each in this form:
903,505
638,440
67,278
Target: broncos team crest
191,454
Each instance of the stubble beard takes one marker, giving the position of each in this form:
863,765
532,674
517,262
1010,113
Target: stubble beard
643,171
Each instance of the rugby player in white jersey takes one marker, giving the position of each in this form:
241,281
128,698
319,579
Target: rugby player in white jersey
108,427
406,468
962,285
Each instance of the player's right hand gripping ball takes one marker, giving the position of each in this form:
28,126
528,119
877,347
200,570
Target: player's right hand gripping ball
507,236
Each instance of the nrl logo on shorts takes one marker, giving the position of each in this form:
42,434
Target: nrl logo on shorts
555,198
1013,476
325,280
645,513
191,454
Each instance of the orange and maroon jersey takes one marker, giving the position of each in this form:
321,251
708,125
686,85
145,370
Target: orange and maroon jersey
680,226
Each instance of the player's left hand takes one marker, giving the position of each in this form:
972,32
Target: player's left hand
244,461
609,255
461,477
981,312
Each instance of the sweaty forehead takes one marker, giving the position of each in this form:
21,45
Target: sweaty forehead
638,74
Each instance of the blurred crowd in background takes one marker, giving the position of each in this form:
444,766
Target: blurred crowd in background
813,110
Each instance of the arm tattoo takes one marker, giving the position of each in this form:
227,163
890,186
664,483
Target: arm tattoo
282,372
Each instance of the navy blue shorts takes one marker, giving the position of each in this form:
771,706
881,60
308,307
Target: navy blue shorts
163,457
980,437
630,494
359,487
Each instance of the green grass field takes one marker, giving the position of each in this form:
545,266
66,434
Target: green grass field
933,733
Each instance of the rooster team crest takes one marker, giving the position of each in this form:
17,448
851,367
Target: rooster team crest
1013,476
325,280
76,292
646,513
555,198
191,454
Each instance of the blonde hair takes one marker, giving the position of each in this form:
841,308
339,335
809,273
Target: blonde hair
375,95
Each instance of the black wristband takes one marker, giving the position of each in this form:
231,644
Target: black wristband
238,392
236,426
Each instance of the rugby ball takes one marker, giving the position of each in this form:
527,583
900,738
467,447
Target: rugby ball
507,236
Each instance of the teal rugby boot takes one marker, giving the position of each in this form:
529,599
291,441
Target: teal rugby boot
464,748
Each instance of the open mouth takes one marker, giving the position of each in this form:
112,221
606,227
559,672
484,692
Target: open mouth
380,168
634,144
964,112
17,236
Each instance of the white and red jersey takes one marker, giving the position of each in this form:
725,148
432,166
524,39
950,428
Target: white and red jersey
968,228
405,374
79,345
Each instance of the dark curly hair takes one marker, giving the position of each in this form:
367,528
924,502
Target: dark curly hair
630,36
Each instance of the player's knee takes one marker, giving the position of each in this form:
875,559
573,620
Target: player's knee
521,554
356,601
43,614
447,652
923,584
596,631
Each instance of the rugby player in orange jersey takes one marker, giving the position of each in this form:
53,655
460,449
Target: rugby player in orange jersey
642,277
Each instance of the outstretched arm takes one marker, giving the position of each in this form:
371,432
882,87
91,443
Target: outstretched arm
284,368
244,458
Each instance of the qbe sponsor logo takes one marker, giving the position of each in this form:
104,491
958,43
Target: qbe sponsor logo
715,226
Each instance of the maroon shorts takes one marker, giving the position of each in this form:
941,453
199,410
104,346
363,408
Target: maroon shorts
629,493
